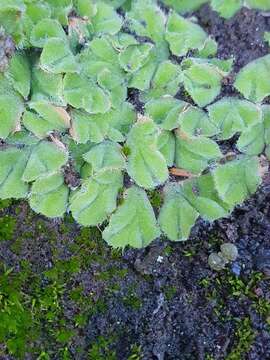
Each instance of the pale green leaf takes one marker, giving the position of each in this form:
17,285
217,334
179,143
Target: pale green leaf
166,145
133,223
121,120
57,116
11,21
176,216
258,4
52,204
36,124
194,154
251,141
85,127
61,10
16,5
56,57
76,152
185,6
146,165
194,121
122,40
46,29
22,138
103,50
224,67
209,48
115,124
165,111
96,199
11,109
231,115
202,81
166,80
49,196
202,195
134,57
115,85
226,8
252,80
82,93
115,3
37,11
106,20
47,183
147,19
19,74
184,35
12,165
106,155
142,78
45,158
47,86
236,180
86,8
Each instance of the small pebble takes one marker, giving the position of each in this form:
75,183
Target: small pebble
229,251
236,269
216,262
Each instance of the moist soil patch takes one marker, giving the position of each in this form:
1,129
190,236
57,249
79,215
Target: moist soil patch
78,299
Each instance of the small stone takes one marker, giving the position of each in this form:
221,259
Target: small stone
216,262
229,251
236,269
258,291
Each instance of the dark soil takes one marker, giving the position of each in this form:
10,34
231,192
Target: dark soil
240,37
162,302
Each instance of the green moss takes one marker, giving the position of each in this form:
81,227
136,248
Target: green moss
17,245
101,350
111,273
126,150
64,335
262,306
89,247
189,252
16,322
227,285
245,337
205,282
155,198
5,203
132,300
168,250
7,227
215,241
170,292
136,353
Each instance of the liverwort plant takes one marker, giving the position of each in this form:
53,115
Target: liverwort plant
71,140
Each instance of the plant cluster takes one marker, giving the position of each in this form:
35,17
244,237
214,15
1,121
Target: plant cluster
71,141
